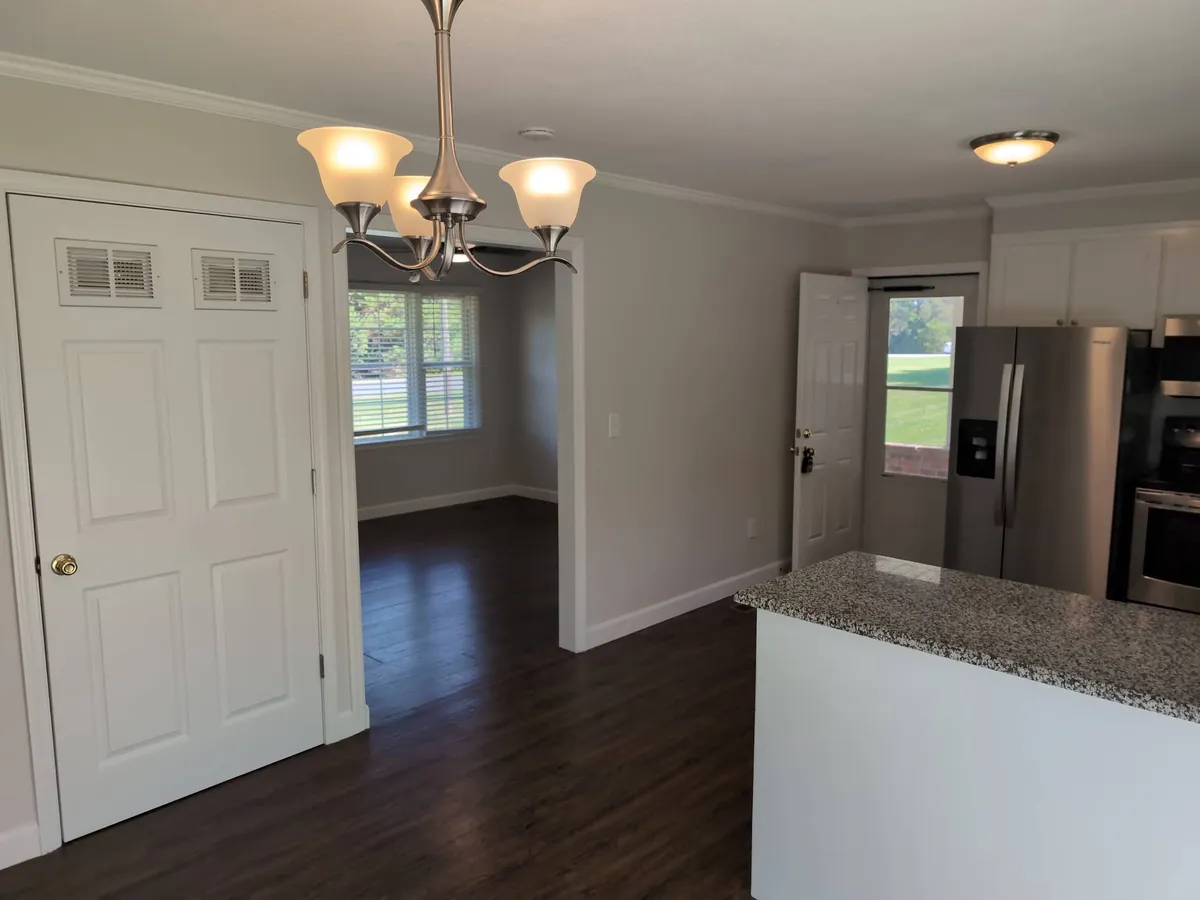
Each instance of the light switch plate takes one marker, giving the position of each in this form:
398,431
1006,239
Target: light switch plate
614,425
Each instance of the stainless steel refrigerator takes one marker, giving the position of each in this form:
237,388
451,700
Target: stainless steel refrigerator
1046,429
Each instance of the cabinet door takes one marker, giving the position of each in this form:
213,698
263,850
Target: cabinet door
1114,281
1031,285
1181,274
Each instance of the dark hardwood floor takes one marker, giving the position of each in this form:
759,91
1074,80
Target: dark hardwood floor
497,765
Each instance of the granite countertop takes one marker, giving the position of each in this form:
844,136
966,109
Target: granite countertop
1137,655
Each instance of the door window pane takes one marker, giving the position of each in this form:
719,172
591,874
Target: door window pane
920,418
920,377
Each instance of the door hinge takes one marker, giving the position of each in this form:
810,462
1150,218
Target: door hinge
37,564
314,482
305,285
321,664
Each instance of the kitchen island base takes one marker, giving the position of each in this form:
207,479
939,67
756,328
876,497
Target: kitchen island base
886,773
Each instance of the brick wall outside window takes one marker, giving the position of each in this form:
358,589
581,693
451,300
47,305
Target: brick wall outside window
911,459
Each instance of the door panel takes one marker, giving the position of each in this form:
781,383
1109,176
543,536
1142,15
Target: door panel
135,643
241,420
827,502
170,449
251,618
974,535
118,414
1060,526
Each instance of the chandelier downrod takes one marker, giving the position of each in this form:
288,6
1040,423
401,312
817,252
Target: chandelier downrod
448,197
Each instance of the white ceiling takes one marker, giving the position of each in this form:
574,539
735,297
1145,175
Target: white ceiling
850,108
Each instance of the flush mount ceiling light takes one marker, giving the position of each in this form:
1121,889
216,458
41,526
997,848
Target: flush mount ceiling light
1008,148
358,171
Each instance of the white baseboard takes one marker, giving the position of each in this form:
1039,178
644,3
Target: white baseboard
677,606
436,502
19,844
439,500
533,493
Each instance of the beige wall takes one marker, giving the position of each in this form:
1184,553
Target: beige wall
919,243
535,383
690,334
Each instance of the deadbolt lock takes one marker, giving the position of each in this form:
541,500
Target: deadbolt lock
64,564
806,433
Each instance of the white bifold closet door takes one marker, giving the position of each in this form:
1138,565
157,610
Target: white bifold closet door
167,404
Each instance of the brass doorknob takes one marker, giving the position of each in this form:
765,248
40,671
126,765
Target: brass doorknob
806,433
64,564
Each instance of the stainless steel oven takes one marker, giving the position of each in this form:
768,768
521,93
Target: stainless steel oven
1164,566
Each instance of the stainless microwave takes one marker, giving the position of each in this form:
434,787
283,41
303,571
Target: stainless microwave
1179,372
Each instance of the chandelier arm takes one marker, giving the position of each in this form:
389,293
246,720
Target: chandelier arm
443,267
387,257
442,241
466,248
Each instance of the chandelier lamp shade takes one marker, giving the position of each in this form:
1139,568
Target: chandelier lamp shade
358,172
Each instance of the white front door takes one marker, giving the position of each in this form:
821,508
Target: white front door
830,411
166,384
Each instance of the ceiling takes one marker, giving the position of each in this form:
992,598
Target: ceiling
861,107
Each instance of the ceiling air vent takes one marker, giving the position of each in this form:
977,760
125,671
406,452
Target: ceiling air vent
97,274
232,281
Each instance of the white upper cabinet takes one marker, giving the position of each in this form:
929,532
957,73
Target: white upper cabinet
1181,274
1114,281
1031,284
1128,277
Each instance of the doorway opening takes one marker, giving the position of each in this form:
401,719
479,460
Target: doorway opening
910,380
456,422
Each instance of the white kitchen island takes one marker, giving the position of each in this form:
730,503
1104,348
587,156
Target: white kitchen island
924,734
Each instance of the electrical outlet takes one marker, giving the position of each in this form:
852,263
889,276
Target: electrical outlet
614,425
752,528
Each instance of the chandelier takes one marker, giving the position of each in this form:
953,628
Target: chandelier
358,172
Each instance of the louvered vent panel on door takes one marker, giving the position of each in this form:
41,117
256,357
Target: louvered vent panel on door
254,280
91,273
226,280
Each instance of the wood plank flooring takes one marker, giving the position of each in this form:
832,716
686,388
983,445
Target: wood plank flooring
497,765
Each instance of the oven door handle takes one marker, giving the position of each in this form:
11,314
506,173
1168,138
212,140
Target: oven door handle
1170,504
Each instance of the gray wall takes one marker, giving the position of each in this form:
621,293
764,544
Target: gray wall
518,441
1110,211
690,320
535,431
919,243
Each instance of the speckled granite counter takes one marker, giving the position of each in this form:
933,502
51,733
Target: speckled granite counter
1136,655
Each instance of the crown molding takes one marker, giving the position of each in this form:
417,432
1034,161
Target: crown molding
672,192
928,215
1150,188
31,68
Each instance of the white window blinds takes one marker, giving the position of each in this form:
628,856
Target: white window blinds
414,363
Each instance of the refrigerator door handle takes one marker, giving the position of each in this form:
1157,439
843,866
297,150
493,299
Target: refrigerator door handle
1014,438
1001,438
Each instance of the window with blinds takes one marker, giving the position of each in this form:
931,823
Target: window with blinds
414,363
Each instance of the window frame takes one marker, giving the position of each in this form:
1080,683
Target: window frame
416,365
